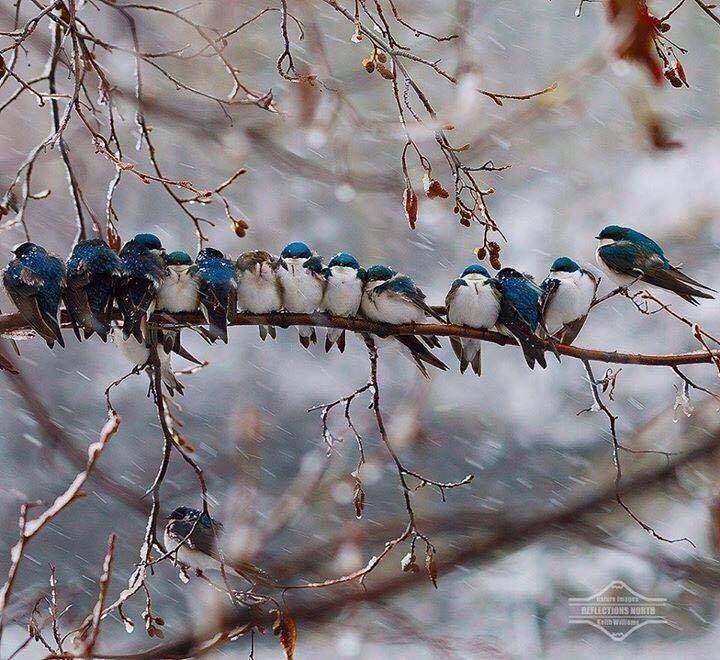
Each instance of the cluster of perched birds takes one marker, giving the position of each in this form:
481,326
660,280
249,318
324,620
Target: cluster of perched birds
143,278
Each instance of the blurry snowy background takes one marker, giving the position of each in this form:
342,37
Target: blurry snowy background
579,159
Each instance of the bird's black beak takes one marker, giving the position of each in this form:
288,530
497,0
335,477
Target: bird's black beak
282,264
598,238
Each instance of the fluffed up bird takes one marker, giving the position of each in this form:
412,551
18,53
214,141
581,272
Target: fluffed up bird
179,290
258,286
627,255
473,301
195,539
218,291
143,271
303,284
392,298
138,354
568,293
35,281
343,293
520,313
93,274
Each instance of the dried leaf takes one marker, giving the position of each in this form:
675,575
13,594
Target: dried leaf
384,71
675,73
369,64
431,566
433,188
113,238
408,563
284,628
359,499
410,204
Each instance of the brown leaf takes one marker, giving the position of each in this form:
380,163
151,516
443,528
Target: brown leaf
675,73
359,499
408,563
369,64
431,566
114,240
284,628
433,188
384,71
410,204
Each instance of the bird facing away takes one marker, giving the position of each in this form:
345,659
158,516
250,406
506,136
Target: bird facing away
520,313
343,293
303,284
568,293
258,285
194,539
179,290
401,302
627,255
143,271
35,281
93,274
473,301
218,290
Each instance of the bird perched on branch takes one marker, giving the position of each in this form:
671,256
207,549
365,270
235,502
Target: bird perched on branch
303,284
179,291
194,539
392,298
473,301
143,271
35,281
258,290
520,313
568,292
628,256
343,293
218,291
93,274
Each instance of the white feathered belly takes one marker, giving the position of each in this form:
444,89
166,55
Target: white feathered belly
258,295
302,291
342,296
178,293
571,301
390,308
476,310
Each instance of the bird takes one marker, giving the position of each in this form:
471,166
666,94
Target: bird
218,291
179,291
143,271
93,273
194,539
473,301
139,352
258,286
303,284
343,293
392,298
627,256
520,313
568,293
35,281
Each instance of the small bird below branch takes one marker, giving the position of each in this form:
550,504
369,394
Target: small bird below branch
14,323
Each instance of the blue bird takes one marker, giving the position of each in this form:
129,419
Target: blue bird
218,291
472,301
343,293
520,313
143,271
303,284
93,271
627,255
35,281
568,293
389,297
